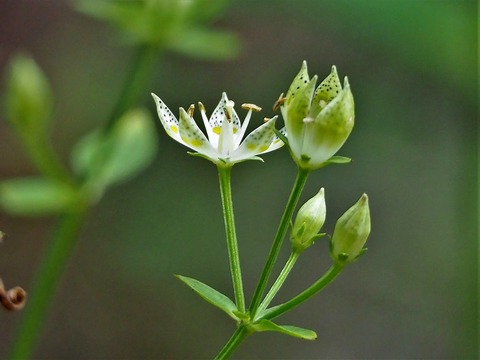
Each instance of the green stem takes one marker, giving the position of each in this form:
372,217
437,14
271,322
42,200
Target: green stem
238,336
326,279
233,254
65,235
45,159
57,253
300,181
135,83
280,280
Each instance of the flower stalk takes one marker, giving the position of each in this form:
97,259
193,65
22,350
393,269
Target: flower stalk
224,174
301,179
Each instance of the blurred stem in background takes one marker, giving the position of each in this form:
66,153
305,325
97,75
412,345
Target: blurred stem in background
66,232
124,146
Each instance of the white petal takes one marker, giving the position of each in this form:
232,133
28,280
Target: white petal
277,143
168,120
257,142
193,137
217,118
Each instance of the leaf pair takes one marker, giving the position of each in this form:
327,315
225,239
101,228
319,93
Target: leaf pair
224,303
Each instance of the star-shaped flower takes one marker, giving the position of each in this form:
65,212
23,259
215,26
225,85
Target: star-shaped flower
223,144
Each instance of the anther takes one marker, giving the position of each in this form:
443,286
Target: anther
279,102
252,107
190,110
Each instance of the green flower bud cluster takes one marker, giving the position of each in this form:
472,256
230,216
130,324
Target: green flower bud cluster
318,120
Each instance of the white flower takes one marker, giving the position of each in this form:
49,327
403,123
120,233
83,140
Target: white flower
225,132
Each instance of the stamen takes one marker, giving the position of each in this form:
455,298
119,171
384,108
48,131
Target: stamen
279,102
191,110
229,110
252,107
207,125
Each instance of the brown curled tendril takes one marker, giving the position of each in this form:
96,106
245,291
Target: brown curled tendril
13,299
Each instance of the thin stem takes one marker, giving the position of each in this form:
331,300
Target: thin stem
233,254
62,243
238,336
138,76
45,159
300,181
57,253
280,280
326,279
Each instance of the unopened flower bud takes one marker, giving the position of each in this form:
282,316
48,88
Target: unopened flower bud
310,219
29,99
351,232
318,120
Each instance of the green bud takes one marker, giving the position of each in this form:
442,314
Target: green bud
29,99
351,232
310,219
318,121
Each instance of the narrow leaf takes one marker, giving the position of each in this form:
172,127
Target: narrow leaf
105,159
35,196
211,295
295,331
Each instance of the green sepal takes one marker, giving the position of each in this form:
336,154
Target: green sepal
212,296
103,159
295,331
36,196
339,160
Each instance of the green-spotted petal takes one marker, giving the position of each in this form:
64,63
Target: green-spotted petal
192,136
216,120
257,142
168,120
328,90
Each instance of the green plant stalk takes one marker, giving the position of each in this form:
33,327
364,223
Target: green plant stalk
224,174
44,158
139,74
67,229
297,189
326,279
56,255
280,280
238,336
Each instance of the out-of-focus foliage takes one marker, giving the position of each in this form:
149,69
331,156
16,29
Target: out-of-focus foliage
172,24
101,159
412,66
29,99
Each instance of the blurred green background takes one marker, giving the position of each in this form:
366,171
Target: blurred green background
413,70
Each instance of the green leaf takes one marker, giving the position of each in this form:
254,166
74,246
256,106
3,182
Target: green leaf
295,331
206,44
104,159
36,196
211,295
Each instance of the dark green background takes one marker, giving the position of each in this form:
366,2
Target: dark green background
412,65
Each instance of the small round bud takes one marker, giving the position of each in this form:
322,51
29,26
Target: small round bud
310,219
351,232
29,99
